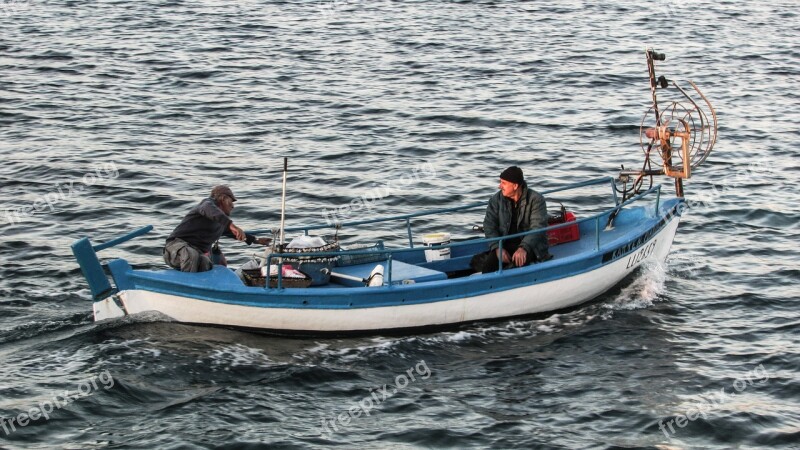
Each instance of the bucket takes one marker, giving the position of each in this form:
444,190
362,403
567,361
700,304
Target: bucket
435,241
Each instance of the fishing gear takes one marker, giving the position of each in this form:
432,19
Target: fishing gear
675,139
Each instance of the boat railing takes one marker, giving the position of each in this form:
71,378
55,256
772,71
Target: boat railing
86,253
596,218
411,216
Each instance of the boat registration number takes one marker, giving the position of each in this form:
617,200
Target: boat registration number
642,254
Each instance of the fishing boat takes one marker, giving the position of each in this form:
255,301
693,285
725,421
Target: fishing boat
374,289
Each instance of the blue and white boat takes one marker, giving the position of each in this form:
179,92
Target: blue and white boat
420,293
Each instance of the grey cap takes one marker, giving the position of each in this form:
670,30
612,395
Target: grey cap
222,190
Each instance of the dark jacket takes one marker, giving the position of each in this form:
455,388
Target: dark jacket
532,215
204,225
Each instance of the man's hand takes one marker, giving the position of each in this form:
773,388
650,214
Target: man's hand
520,257
502,255
238,233
263,241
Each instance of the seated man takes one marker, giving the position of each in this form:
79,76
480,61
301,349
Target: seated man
187,248
515,209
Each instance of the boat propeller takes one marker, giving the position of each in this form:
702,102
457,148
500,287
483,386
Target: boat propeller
675,138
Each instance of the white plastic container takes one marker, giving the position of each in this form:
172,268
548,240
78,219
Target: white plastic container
435,241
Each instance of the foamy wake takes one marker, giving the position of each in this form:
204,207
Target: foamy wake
239,355
643,291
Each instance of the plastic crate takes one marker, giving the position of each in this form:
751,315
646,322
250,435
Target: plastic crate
565,234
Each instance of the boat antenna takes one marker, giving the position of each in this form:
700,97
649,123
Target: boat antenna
283,198
283,218
680,135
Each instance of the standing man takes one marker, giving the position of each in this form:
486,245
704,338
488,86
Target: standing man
515,209
188,247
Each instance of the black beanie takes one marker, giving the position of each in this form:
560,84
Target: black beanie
513,174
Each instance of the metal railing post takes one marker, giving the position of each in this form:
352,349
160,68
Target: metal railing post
597,232
658,198
280,274
269,265
614,191
408,228
389,269
499,259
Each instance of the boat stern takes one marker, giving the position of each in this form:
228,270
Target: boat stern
108,309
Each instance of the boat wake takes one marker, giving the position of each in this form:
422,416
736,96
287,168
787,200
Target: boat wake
143,317
643,291
238,355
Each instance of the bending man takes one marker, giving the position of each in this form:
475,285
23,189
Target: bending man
514,209
188,248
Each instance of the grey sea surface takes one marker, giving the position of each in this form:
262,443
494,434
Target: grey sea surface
116,114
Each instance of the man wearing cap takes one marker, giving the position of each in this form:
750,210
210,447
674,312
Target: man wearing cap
188,247
514,209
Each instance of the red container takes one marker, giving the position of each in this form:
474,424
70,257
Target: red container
565,234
